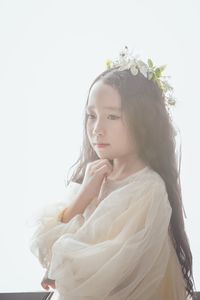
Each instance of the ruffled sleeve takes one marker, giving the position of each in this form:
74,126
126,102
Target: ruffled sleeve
49,228
122,250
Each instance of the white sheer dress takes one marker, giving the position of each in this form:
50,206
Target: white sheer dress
119,249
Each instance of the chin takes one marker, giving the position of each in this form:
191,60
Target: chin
104,156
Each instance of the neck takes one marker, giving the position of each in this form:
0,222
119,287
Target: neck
125,167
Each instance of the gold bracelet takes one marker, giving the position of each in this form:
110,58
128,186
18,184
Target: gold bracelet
61,214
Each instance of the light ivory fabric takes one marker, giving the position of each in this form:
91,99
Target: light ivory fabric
120,249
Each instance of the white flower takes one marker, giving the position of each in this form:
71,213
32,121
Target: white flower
150,75
134,69
144,71
167,86
127,61
124,52
125,65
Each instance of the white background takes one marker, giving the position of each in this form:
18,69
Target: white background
50,51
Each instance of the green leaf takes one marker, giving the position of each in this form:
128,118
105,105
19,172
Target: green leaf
153,76
158,72
150,75
150,63
162,68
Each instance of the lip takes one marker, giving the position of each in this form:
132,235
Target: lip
101,145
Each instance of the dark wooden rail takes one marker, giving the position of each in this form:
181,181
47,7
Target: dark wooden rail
197,296
43,296
25,296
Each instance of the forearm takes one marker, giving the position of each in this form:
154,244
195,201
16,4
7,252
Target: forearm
77,207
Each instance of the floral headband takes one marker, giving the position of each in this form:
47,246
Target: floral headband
127,61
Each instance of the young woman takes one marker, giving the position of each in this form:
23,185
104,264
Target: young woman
120,233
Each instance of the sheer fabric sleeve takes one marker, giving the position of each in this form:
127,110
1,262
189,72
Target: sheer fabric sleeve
120,252
49,228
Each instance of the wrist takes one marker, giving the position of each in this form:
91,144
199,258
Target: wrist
61,215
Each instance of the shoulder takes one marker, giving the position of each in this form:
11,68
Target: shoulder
153,178
150,184
156,187
147,191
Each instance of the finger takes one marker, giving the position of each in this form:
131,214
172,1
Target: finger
53,285
51,282
105,164
102,162
104,170
48,283
45,286
93,163
99,162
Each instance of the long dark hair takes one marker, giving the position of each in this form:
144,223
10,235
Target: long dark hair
149,120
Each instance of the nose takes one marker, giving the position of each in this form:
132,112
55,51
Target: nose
98,128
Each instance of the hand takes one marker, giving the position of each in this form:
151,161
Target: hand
46,282
95,173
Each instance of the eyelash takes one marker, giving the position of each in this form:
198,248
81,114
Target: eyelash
89,115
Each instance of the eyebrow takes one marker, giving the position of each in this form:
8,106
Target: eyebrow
114,108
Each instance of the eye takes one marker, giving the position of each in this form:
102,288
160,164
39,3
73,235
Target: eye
89,116
114,117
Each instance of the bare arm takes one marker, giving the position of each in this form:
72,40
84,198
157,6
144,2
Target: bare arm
90,188
77,207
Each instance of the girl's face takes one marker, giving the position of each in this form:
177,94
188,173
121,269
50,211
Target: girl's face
106,123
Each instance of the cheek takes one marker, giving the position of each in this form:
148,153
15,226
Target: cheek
89,132
87,127
126,139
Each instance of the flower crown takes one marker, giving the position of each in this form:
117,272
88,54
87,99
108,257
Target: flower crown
127,61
